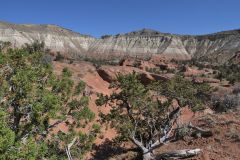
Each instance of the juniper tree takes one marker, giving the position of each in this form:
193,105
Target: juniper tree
30,96
140,116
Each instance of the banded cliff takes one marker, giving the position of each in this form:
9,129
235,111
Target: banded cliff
219,47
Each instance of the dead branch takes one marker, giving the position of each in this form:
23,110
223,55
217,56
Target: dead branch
185,153
68,149
168,127
199,132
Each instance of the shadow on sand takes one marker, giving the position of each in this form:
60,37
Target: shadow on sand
109,150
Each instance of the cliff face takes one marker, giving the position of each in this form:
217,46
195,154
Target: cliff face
220,47
55,38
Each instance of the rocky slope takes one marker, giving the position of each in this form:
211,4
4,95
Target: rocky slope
222,145
220,47
56,38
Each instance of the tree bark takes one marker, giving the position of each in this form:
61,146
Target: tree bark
148,156
68,149
185,153
200,132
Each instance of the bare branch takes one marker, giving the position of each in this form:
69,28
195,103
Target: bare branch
72,143
200,132
168,127
185,153
54,124
68,148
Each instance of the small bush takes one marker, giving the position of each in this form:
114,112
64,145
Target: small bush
36,46
233,134
59,57
97,62
236,90
225,103
46,59
229,72
136,63
171,70
181,132
80,87
154,70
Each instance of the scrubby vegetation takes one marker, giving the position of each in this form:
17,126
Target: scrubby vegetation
140,116
33,101
226,102
154,70
229,72
186,92
59,57
47,116
192,62
98,62
160,70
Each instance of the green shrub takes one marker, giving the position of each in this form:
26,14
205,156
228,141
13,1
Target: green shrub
225,103
138,116
229,72
32,96
80,87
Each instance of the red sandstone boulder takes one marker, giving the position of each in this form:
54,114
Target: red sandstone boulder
127,62
188,72
145,65
109,73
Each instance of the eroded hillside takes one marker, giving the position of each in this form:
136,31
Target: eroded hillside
217,47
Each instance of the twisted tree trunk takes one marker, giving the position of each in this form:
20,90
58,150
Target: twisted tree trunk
68,149
148,156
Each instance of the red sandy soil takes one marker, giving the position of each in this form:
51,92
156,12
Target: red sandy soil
220,146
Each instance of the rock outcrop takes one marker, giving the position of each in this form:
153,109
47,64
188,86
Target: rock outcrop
110,73
218,47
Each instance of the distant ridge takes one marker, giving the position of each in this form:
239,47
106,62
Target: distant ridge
218,47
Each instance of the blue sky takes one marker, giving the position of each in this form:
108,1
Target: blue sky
99,17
